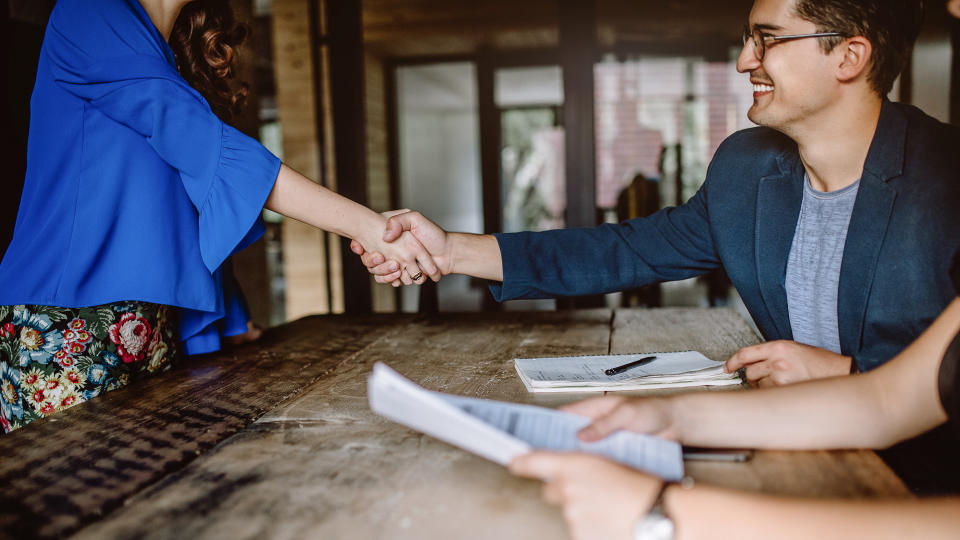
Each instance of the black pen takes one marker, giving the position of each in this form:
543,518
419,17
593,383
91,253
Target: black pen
620,369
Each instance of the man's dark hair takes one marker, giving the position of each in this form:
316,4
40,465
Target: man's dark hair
891,26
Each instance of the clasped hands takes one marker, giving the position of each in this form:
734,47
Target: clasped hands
432,238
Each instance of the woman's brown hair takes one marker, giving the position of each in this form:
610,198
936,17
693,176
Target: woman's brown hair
205,40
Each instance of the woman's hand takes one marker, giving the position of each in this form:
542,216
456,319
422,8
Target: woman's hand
654,416
601,500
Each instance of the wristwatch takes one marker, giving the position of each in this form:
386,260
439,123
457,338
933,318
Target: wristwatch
655,525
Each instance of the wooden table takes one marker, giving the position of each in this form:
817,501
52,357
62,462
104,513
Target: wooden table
276,439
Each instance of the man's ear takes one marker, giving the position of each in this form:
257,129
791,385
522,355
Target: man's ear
857,53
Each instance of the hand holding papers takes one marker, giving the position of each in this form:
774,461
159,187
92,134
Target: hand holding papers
589,373
500,431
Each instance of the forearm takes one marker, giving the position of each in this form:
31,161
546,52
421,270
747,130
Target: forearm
298,197
476,255
708,512
831,413
873,410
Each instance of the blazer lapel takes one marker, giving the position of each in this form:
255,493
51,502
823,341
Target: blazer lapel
778,207
868,225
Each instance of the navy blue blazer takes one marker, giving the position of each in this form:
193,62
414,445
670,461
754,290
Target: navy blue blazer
895,274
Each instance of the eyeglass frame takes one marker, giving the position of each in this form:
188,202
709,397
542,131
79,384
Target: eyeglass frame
760,47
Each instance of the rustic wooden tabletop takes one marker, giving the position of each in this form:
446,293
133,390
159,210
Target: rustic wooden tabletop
276,440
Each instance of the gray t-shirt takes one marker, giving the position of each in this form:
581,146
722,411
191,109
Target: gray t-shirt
813,268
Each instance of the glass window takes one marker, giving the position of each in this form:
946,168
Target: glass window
658,123
532,189
439,162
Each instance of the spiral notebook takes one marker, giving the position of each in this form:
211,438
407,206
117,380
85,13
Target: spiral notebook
586,373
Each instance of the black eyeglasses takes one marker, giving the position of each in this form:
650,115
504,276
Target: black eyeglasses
760,39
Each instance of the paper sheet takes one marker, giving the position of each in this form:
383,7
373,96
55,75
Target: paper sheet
500,431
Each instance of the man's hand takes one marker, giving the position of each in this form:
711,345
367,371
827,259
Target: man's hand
601,500
433,238
777,363
613,413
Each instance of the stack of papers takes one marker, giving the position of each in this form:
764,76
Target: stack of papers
586,373
500,431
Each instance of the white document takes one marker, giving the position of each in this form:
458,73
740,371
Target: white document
500,431
586,373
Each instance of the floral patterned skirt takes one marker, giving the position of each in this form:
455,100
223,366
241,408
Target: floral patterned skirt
52,358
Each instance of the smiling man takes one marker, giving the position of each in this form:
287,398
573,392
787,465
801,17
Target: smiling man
836,220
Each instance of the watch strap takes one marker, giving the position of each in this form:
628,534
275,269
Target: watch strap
655,525
657,507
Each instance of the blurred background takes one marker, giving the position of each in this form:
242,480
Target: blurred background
487,116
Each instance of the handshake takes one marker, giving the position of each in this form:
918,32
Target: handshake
414,248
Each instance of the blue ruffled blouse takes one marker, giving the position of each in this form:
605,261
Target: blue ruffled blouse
135,189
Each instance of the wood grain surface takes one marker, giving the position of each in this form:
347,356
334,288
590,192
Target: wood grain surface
61,472
319,464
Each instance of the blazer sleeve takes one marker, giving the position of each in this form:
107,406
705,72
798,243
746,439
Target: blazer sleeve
226,174
671,244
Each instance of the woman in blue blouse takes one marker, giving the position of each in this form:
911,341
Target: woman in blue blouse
135,196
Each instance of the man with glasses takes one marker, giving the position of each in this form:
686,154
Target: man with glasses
836,220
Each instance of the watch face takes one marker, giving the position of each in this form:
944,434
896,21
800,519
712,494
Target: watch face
654,527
